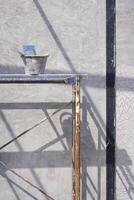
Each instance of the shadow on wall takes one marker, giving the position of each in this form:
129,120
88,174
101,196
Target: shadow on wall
11,69
91,155
99,120
92,81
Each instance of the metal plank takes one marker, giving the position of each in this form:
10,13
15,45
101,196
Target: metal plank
66,79
42,78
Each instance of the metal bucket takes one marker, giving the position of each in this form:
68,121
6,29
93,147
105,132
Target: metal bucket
35,64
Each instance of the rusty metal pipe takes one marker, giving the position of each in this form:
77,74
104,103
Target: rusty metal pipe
76,140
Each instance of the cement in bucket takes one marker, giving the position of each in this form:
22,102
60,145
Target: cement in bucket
35,64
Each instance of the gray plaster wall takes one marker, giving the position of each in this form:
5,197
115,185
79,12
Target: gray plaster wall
73,33
125,99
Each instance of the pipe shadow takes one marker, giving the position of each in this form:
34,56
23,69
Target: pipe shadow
9,160
14,185
91,155
11,69
98,153
92,80
47,23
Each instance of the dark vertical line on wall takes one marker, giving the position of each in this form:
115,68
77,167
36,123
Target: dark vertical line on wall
111,97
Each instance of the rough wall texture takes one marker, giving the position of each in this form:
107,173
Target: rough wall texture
125,99
73,33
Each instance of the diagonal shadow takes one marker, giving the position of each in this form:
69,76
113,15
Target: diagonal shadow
125,170
65,55
10,130
9,159
55,130
123,182
59,44
92,80
54,35
30,159
12,184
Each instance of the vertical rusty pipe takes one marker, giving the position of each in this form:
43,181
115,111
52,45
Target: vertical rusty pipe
76,139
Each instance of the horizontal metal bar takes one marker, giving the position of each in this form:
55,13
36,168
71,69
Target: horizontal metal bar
13,78
42,78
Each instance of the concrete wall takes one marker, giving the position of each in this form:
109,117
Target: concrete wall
125,99
73,33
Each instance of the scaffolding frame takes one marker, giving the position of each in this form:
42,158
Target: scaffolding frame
71,79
